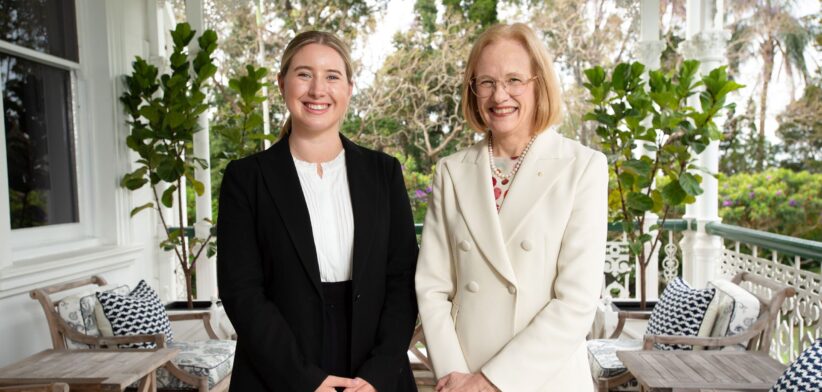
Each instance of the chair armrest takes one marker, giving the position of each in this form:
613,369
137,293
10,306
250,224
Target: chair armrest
113,342
625,315
108,341
743,338
205,316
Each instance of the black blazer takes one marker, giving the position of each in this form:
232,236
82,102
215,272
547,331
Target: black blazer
269,279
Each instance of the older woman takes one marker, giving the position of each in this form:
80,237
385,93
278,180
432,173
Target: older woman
511,262
316,245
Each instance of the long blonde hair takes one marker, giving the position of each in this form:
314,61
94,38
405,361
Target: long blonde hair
313,37
548,100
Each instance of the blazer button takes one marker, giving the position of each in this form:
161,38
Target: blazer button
512,289
465,245
526,245
473,287
357,298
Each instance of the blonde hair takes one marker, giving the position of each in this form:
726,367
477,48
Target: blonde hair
548,100
313,37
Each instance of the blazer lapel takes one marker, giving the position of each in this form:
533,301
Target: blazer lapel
363,187
472,185
539,171
285,189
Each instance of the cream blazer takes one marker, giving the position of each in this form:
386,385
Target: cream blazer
514,294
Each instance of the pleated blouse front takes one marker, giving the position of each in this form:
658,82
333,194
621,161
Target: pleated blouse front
332,221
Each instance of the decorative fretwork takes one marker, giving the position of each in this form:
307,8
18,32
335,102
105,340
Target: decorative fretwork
617,269
670,264
620,267
799,322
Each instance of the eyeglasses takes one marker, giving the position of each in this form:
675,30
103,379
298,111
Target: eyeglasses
514,85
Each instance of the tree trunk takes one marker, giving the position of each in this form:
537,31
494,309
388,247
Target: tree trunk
642,288
190,299
767,52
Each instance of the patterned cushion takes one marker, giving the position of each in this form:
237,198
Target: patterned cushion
602,355
737,309
804,374
78,311
90,302
212,358
680,312
140,312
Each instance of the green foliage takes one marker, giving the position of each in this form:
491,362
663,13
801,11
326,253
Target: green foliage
800,127
776,200
163,112
657,117
242,130
413,106
743,148
418,184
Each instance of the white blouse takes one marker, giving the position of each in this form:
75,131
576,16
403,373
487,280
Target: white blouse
332,220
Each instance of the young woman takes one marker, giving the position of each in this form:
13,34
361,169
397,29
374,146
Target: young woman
316,245
512,254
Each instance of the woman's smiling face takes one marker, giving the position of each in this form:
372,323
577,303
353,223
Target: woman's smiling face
316,89
506,60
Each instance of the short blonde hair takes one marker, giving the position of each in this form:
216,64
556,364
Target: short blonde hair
314,37
548,100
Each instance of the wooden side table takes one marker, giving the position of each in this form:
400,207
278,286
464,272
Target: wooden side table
90,370
702,370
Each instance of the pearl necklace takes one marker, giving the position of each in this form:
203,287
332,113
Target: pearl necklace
495,170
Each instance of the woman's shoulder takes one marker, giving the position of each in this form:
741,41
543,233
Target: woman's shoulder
579,151
370,156
468,153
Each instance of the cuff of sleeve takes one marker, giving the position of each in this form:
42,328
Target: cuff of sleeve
312,379
381,373
501,379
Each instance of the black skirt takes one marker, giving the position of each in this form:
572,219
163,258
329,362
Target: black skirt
336,358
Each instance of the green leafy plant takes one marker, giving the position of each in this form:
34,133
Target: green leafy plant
242,129
163,112
657,117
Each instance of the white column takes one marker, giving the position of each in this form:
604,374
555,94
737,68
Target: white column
166,262
206,268
650,49
261,62
5,212
706,41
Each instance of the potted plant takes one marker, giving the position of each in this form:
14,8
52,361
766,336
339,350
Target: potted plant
163,111
657,117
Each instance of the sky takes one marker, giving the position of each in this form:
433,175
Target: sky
399,16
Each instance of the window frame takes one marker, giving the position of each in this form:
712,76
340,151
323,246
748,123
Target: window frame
42,241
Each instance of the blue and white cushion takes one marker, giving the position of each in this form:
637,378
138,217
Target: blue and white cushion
80,312
735,310
804,374
140,312
680,312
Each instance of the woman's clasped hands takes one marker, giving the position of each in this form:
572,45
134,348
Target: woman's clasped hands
465,382
350,384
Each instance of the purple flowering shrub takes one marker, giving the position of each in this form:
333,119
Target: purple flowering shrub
418,185
776,200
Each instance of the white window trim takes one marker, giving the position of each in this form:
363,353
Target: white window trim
33,242
33,257
40,57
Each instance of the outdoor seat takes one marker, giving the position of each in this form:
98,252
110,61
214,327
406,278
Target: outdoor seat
77,322
721,330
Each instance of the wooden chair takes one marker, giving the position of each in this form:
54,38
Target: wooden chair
423,368
60,331
756,338
55,387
